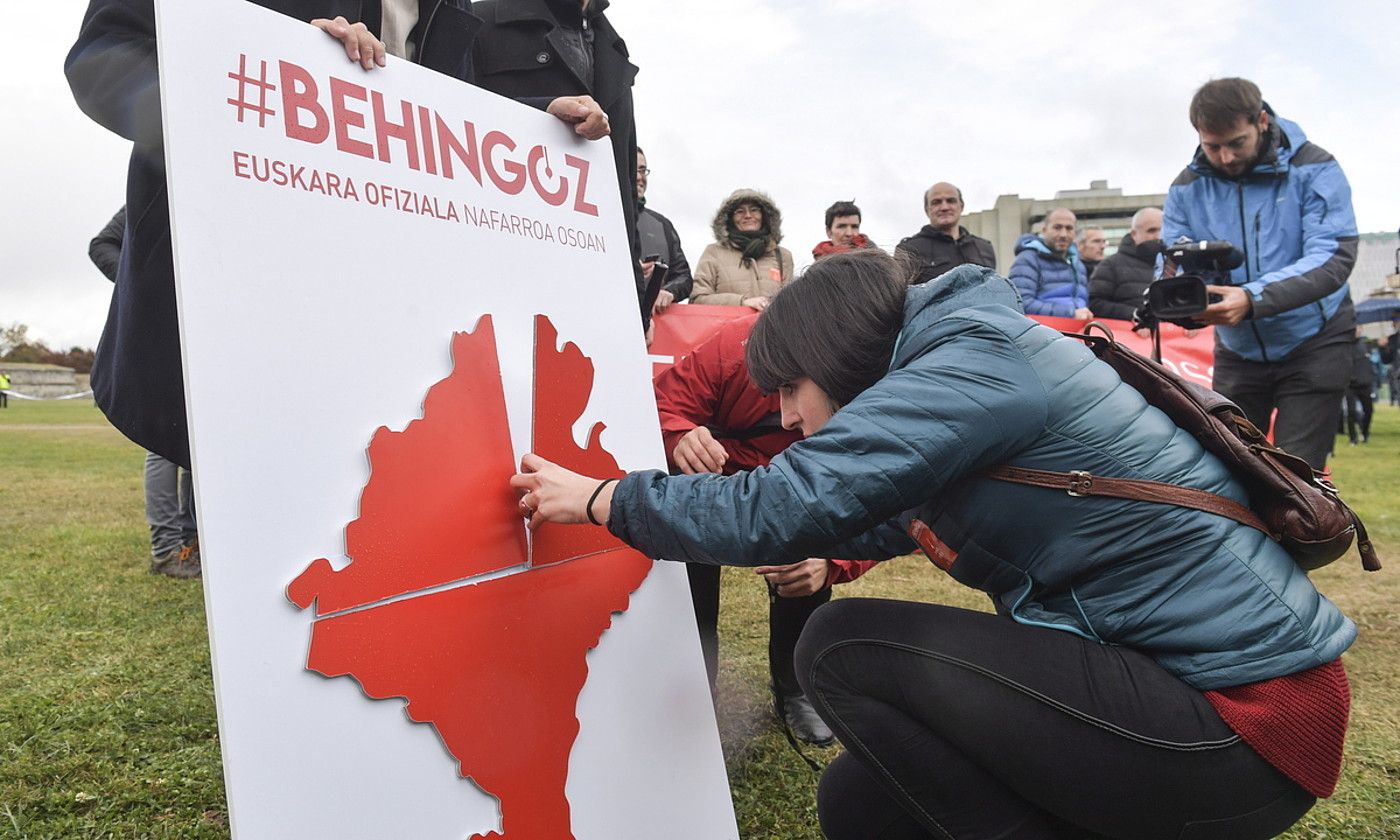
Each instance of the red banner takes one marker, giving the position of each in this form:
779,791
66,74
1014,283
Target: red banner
682,327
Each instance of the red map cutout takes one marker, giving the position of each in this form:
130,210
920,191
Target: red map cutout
494,667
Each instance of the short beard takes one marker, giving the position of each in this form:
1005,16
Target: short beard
1259,151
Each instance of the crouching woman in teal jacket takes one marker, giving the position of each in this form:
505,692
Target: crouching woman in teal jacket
1152,671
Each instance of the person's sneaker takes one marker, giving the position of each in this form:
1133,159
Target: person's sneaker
803,721
182,562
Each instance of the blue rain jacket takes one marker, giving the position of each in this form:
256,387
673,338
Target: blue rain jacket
1292,217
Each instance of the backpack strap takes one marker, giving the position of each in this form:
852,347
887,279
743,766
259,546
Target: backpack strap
1081,483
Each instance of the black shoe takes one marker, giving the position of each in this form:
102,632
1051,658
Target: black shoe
804,722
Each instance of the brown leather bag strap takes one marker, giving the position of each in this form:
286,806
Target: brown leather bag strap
1081,483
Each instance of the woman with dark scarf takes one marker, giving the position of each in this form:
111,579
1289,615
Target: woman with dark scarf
745,266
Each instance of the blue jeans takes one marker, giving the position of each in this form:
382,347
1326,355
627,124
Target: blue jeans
169,505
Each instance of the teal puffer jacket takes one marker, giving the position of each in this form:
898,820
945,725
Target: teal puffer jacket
975,383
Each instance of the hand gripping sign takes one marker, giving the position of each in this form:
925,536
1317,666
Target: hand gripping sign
391,286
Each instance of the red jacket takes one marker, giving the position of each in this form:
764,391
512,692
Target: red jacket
827,248
711,387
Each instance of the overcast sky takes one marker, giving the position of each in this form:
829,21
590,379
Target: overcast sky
814,102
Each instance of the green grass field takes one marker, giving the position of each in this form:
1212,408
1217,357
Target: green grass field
107,725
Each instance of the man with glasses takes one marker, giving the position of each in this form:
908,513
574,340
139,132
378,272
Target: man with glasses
657,237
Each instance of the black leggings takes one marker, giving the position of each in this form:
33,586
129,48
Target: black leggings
959,724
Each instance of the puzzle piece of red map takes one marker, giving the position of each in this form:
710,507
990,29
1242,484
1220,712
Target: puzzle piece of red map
495,667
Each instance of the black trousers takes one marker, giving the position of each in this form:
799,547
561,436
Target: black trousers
959,724
786,618
1306,389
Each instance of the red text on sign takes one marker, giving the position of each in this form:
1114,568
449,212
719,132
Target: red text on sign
363,124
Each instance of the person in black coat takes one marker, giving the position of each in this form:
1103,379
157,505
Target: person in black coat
534,47
944,244
136,377
657,236
1361,391
1116,287
105,249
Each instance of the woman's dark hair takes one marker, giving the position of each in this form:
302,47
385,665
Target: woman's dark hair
836,325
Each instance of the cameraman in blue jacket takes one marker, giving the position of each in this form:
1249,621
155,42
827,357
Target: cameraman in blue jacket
1284,325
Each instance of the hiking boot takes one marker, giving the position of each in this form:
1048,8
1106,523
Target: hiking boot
182,562
803,721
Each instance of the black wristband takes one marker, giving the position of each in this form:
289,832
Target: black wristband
588,509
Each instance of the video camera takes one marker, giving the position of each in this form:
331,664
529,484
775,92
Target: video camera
1198,264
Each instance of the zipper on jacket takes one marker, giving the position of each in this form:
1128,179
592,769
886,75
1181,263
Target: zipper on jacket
1244,233
1248,275
1258,263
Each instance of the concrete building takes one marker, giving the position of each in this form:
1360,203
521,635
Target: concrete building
1377,269
43,381
1376,274
1099,206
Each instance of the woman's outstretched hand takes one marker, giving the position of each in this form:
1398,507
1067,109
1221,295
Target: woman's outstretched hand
550,493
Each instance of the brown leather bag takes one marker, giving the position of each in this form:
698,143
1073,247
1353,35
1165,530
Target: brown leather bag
1291,502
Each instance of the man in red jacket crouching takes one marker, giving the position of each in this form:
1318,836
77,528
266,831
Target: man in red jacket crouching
714,419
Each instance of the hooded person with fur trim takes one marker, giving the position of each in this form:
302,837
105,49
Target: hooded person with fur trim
745,266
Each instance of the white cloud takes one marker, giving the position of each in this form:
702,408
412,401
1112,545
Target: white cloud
819,101
64,177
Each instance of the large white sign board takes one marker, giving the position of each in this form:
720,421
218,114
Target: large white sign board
333,230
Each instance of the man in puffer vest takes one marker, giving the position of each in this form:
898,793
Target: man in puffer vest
1047,271
1283,327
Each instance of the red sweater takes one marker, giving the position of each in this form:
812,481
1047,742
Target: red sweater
711,387
1296,723
827,248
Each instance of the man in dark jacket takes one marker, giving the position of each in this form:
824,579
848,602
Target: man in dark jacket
658,237
714,419
1091,243
943,243
136,377
1361,391
1390,357
105,249
539,47
1116,286
169,490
